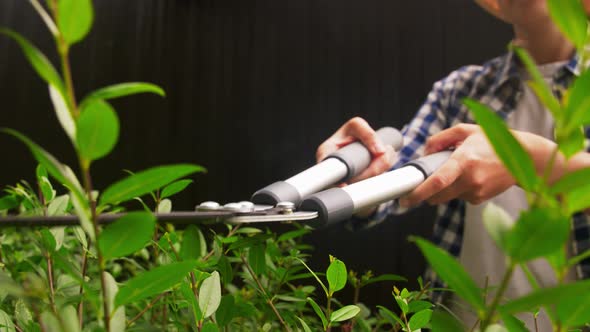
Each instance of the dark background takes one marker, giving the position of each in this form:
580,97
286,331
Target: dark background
254,86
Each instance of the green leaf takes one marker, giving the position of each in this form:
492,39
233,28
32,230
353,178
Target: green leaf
451,272
154,281
37,59
165,206
59,235
210,295
571,182
127,234
193,244
385,277
577,110
225,312
538,232
444,322
572,142
538,83
498,224
49,321
390,316
69,317
46,189
344,313
145,182
187,293
416,306
513,324
318,312
402,304
58,206
22,314
508,149
225,270
52,165
98,130
314,275
420,319
574,311
570,17
74,19
257,258
63,112
578,258
8,202
293,234
41,172
303,324
6,322
123,90
577,200
336,275
210,327
544,297
48,240
175,187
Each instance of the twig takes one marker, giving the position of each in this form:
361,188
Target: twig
268,299
503,285
81,304
51,284
148,307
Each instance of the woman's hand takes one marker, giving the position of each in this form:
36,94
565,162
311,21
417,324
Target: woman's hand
357,129
473,172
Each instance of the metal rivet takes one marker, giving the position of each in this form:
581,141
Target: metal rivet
208,206
234,207
286,207
247,205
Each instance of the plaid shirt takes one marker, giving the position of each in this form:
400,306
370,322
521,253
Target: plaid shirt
498,85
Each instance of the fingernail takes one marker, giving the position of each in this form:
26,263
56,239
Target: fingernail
379,148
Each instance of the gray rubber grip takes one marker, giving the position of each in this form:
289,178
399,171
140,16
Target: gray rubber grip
280,191
430,163
333,206
357,157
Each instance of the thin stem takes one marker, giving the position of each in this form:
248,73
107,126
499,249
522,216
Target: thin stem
549,169
101,260
81,304
51,283
485,289
148,307
328,312
492,309
357,292
192,274
63,50
268,299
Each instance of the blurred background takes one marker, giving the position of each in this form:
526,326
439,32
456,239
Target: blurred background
253,87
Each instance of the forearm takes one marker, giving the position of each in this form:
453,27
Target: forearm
543,150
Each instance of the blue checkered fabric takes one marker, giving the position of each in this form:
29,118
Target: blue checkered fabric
498,85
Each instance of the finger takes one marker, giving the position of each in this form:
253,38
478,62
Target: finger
359,128
455,190
449,137
331,145
377,166
445,176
